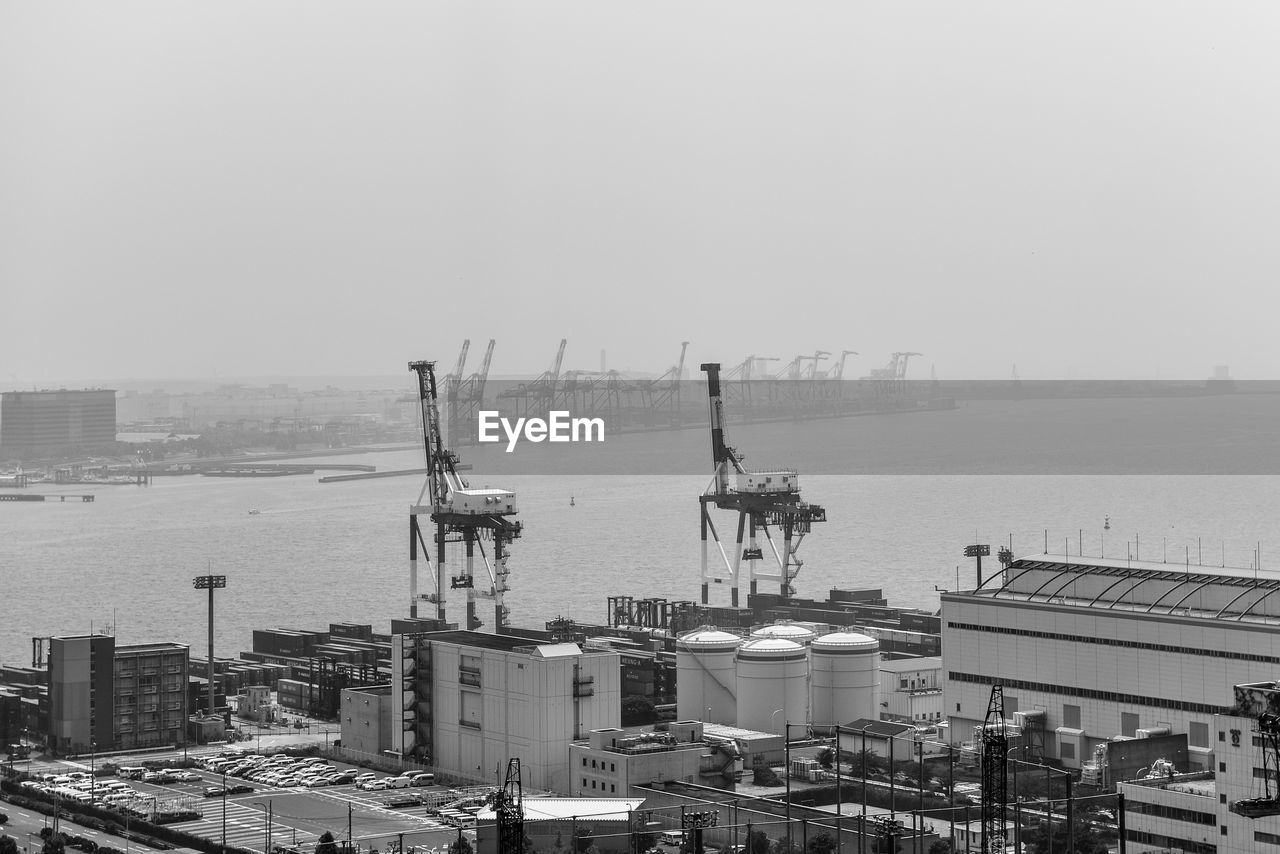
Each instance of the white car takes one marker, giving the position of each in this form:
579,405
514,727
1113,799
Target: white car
374,785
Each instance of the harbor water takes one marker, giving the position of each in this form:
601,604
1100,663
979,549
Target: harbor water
317,553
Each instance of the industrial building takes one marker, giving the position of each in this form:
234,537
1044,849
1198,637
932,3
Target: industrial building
1096,650
465,702
552,824
34,423
107,697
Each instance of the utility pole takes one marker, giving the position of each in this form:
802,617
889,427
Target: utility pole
211,583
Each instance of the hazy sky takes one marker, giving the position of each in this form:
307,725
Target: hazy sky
199,189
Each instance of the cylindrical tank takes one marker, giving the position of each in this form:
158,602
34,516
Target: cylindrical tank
773,676
706,677
845,678
786,630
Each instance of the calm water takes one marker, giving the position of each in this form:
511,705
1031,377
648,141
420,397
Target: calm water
338,552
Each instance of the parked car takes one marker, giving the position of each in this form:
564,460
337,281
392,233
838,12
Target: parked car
374,785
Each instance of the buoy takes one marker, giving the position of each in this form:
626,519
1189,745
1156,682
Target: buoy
1106,525
571,504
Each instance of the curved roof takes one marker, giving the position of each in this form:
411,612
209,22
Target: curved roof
845,642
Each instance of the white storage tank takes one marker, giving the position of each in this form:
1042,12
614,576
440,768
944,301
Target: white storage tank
706,677
845,678
773,676
787,630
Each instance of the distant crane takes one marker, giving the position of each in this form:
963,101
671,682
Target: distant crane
665,390
995,774
469,401
537,397
743,374
460,514
452,382
761,499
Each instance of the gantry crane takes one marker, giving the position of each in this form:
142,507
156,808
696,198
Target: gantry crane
508,805
460,514
761,499
995,774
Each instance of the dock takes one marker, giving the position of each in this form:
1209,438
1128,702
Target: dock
338,478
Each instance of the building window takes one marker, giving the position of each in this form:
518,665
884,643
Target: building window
1198,734
593,763
1222,736
584,762
612,767
1070,716
1222,829
1222,799
1128,724
593,784
1067,749
1222,767
612,787
957,708
584,782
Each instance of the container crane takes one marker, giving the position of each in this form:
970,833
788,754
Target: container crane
1269,743
761,500
460,514
995,774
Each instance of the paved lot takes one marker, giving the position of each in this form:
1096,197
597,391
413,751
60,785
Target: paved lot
298,815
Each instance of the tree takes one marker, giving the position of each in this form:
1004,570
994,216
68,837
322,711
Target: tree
758,843
764,776
826,757
325,844
8,845
55,844
638,710
941,846
460,846
821,843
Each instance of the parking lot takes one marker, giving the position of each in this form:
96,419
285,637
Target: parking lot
290,811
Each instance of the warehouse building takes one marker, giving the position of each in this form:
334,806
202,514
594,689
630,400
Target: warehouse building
1098,649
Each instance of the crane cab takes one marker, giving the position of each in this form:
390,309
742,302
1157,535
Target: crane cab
482,502
768,482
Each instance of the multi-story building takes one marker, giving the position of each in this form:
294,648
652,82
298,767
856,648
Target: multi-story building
466,702
366,720
911,690
1233,808
39,422
1107,648
108,697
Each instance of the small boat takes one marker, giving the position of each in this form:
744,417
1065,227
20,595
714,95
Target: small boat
254,512
571,504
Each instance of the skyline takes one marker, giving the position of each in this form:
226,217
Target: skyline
323,189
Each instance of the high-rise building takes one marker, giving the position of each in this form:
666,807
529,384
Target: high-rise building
39,422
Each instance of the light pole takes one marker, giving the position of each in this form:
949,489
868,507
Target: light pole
224,779
210,583
267,822
773,717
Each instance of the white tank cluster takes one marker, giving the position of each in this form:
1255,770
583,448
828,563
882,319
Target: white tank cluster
784,672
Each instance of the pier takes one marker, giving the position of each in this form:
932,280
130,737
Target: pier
26,496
